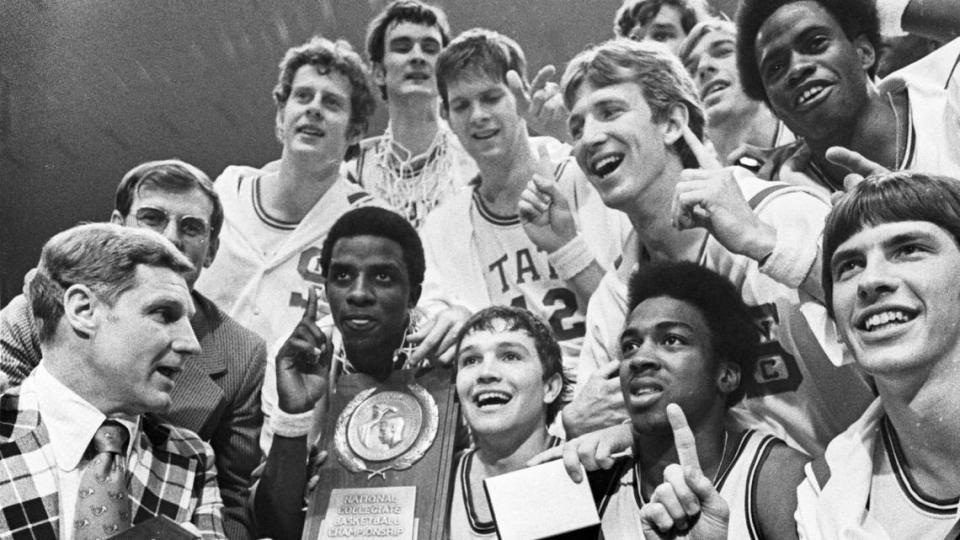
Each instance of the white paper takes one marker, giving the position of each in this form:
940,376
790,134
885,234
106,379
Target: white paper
515,500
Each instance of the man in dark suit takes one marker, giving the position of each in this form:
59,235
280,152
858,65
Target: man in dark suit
217,394
81,453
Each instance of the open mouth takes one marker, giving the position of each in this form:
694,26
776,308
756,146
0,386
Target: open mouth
886,319
714,87
606,164
491,399
811,95
358,324
417,76
313,131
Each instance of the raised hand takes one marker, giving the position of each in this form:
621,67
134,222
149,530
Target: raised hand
709,197
546,214
542,104
686,504
599,403
859,166
303,363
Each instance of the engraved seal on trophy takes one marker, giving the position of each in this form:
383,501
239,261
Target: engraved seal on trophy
389,429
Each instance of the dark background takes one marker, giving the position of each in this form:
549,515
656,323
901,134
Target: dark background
90,88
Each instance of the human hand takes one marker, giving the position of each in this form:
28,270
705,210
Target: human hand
859,166
546,214
686,504
598,404
303,363
437,336
710,197
315,460
592,451
542,104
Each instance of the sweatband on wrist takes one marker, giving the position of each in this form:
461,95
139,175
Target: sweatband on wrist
291,425
890,15
572,258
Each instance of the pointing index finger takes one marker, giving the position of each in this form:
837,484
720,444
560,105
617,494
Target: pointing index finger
704,157
683,438
515,83
310,312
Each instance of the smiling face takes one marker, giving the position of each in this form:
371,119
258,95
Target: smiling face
315,119
896,297
141,342
617,142
368,288
667,357
483,114
409,60
500,382
814,76
712,64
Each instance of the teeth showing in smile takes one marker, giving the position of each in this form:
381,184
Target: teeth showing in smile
886,319
640,389
310,130
486,399
606,165
809,94
716,87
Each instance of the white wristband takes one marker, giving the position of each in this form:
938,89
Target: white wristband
291,425
890,13
571,259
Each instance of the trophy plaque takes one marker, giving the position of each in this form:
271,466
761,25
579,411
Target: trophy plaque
388,472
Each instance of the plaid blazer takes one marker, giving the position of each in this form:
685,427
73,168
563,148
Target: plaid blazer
217,394
174,476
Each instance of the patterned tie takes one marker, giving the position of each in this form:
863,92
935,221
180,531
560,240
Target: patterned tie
103,507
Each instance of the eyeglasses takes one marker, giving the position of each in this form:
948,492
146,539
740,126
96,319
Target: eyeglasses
191,227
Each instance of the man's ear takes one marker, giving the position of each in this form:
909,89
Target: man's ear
378,74
116,218
82,309
211,252
415,292
865,51
728,377
677,118
278,123
552,388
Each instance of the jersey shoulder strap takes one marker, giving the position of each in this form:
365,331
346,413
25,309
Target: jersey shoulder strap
759,196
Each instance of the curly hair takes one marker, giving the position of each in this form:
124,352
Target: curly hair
635,13
326,55
855,17
383,223
733,335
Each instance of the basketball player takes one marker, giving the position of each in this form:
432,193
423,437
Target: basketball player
682,358
761,237
891,249
418,161
482,247
509,381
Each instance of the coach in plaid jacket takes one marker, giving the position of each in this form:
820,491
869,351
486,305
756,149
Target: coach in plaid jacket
174,475
113,309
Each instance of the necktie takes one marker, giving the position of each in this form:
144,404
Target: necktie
103,507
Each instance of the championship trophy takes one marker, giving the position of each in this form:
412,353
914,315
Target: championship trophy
390,443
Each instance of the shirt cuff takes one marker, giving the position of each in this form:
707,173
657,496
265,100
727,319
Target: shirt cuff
792,257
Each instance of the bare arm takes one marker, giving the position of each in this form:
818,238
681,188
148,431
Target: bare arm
779,477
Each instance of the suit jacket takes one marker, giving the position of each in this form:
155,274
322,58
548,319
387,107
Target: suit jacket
217,394
174,475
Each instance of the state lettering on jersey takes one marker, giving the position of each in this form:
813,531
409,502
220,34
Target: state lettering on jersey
774,370
309,269
523,269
